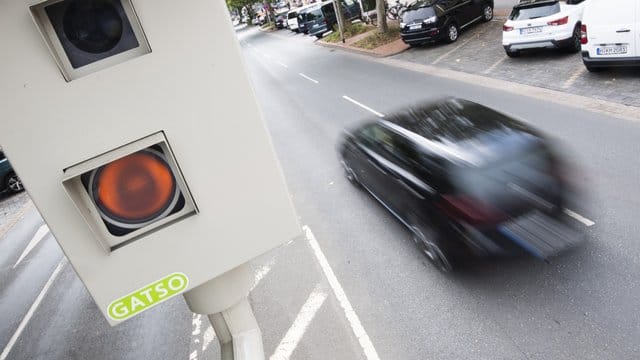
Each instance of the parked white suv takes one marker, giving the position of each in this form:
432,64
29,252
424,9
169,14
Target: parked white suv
611,34
550,24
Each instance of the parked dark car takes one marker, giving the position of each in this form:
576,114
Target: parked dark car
281,21
10,181
302,18
441,20
322,19
464,179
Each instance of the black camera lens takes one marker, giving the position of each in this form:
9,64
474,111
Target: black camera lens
91,30
92,26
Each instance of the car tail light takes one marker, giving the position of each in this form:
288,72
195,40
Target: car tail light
470,210
507,28
562,21
583,35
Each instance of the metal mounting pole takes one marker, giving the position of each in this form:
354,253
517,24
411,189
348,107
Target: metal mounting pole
224,299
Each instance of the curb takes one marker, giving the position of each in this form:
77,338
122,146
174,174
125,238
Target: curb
358,50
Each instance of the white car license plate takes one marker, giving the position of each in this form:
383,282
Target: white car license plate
531,30
415,26
612,50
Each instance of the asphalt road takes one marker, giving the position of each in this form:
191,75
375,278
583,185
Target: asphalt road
385,299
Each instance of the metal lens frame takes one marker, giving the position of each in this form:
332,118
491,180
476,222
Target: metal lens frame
126,224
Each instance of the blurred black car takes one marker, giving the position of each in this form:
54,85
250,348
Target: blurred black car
464,179
436,20
10,181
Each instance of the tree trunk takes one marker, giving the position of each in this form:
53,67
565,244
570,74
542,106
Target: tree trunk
339,18
382,16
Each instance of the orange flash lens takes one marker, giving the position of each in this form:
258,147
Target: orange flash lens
136,187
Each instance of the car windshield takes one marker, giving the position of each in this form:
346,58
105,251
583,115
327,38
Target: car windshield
314,14
529,13
418,14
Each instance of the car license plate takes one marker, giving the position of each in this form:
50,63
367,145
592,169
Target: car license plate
415,26
531,30
612,50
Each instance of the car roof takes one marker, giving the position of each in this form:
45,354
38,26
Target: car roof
533,3
461,130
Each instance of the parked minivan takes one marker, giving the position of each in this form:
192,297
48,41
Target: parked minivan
611,34
435,20
322,19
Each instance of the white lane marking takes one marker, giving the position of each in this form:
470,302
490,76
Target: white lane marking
282,64
261,272
308,311
579,217
197,323
496,64
32,310
193,355
363,106
308,78
40,234
208,337
572,79
359,331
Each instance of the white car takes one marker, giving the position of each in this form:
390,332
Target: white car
292,20
546,24
611,34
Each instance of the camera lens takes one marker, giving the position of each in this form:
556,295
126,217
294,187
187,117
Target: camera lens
93,26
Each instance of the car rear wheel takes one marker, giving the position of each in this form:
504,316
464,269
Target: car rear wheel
487,13
575,45
513,54
13,183
431,244
452,33
594,69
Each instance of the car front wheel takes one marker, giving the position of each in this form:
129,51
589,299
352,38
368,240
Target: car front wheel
452,33
487,13
431,244
13,183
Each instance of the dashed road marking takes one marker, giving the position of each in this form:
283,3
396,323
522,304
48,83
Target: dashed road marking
572,79
282,64
353,319
308,78
579,217
363,106
39,235
295,333
32,309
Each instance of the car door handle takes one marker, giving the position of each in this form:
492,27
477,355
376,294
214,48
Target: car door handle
623,30
373,163
410,189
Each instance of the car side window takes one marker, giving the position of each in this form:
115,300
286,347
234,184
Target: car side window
376,137
349,2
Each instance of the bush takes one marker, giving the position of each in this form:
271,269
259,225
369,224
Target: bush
350,30
378,39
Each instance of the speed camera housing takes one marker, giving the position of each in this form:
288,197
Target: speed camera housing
136,133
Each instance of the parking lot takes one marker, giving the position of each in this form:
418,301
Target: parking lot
479,51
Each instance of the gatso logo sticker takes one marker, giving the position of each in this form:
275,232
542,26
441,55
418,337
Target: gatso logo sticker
148,296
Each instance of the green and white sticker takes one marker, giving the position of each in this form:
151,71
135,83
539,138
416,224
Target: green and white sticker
148,296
